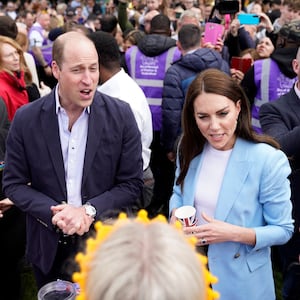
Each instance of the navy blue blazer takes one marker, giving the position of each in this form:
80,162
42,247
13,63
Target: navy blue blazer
281,120
34,177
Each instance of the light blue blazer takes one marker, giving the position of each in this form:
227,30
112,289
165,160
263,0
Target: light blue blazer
255,193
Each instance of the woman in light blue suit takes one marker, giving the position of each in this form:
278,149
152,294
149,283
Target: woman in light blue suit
238,182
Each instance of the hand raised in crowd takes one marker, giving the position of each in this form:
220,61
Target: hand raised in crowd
44,89
218,46
5,205
234,27
237,75
171,156
71,219
265,22
48,71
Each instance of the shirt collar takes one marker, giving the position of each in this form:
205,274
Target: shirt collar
58,106
296,88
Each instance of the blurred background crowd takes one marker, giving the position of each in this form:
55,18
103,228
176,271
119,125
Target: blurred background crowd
179,35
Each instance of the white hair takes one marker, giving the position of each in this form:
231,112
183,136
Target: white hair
145,262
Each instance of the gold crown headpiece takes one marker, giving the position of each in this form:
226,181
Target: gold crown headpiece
103,231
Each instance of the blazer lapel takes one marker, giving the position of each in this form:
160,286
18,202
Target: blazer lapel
236,173
293,103
96,123
50,130
191,180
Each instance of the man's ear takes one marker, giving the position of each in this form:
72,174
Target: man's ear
281,41
296,66
55,69
178,44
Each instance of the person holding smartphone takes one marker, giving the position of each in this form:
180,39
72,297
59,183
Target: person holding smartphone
241,65
271,77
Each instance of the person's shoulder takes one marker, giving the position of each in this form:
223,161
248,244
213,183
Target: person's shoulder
35,27
209,56
27,113
256,150
157,44
132,49
281,102
268,154
177,65
111,108
109,102
132,87
32,109
263,155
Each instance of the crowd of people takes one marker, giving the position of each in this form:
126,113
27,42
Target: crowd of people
117,106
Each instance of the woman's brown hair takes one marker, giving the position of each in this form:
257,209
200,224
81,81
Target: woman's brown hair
192,141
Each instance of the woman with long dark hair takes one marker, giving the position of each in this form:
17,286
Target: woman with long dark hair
238,183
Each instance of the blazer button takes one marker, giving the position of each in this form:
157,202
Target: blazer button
237,255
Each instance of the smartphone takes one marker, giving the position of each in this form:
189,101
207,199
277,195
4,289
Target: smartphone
242,64
227,6
212,32
248,19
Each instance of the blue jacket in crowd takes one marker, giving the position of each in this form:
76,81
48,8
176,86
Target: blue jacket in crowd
176,82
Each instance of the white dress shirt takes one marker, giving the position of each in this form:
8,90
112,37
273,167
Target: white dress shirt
297,88
123,87
73,144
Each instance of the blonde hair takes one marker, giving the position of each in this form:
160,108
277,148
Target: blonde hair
139,259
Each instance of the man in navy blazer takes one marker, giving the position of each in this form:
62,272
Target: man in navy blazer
73,156
281,119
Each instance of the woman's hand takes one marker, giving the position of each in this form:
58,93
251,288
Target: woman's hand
173,218
215,231
237,75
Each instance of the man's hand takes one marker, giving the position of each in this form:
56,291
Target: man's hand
171,156
71,219
5,204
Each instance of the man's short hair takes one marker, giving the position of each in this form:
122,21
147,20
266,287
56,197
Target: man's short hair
278,2
160,24
189,36
189,13
109,23
107,49
70,12
8,27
